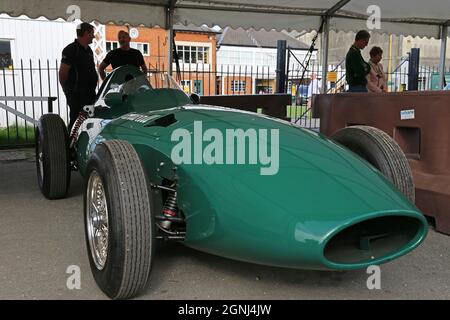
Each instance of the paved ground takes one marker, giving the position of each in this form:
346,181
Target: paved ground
40,239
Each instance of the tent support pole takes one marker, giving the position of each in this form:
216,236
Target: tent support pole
169,28
325,46
444,37
326,40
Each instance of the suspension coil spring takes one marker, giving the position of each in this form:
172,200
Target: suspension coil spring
170,210
83,115
170,206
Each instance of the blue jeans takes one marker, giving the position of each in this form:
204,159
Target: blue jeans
357,89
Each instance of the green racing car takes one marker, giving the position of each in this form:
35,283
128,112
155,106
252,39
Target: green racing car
160,166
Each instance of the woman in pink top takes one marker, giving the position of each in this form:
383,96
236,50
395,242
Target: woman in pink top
376,79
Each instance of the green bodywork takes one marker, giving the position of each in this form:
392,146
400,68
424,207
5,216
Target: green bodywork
286,219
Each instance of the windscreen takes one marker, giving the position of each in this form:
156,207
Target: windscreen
152,81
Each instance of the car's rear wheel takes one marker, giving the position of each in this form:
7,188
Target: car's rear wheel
118,220
380,150
52,156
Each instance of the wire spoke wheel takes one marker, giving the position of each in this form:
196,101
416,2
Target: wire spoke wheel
97,220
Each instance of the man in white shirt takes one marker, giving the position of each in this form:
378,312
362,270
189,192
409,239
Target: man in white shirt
314,88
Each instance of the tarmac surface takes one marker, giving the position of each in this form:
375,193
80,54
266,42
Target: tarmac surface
40,239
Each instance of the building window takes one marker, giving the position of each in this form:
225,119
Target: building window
245,58
233,57
143,47
198,88
193,54
265,59
186,85
111,45
262,88
5,54
237,86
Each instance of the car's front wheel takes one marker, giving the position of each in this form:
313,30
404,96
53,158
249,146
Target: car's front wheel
380,150
118,220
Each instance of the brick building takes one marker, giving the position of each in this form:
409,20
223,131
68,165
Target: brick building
196,47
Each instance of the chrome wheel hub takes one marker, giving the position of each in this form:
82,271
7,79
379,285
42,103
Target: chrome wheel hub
97,220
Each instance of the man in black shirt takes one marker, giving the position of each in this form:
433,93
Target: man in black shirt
356,67
77,74
122,56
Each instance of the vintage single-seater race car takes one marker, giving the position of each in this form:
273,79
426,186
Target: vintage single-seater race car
327,204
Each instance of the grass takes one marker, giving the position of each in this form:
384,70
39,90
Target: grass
296,111
17,135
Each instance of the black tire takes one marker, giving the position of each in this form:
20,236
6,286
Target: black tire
380,150
130,249
52,156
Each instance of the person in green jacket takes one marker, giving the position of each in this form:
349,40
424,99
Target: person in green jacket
356,68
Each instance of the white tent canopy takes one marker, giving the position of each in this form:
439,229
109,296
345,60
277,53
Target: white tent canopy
413,17
426,18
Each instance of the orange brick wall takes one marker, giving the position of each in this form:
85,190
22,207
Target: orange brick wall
155,37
